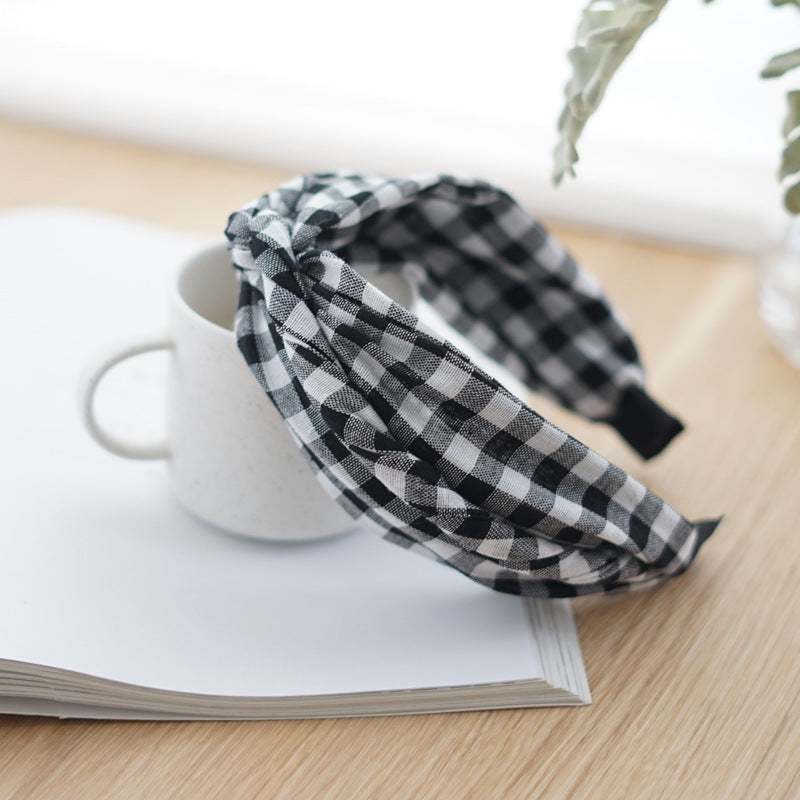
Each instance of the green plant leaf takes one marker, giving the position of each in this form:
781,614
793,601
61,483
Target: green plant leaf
790,159
792,119
781,64
791,199
607,32
785,2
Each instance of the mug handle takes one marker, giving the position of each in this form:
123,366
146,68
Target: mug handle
101,363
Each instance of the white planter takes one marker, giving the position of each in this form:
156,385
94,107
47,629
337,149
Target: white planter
779,294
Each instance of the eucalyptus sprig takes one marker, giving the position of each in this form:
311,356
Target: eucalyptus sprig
606,34
608,31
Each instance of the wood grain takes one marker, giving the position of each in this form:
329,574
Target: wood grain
695,684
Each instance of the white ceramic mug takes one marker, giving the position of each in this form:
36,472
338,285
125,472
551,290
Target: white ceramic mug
232,460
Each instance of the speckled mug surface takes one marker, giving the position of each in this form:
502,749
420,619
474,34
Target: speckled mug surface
230,455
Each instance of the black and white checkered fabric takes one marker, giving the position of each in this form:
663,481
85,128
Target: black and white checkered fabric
408,434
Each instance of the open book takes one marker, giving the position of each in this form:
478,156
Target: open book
117,603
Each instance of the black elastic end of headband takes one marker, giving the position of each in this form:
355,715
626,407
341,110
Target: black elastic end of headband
644,424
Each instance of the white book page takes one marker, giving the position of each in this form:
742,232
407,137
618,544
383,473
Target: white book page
101,570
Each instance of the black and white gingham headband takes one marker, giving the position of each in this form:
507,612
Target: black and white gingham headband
408,434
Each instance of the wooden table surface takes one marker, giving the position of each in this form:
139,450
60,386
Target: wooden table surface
695,684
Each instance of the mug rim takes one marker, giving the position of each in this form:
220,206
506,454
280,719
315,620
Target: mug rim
180,301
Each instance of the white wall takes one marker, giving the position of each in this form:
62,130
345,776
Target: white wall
685,145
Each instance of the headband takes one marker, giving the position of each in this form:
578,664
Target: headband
405,431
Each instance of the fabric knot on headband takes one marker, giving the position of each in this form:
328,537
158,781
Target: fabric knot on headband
405,431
